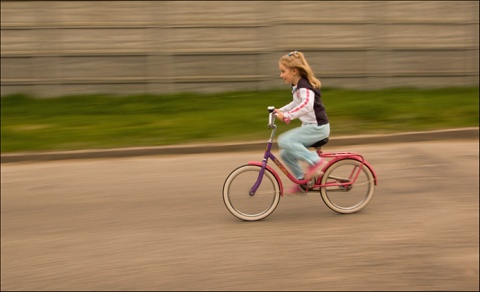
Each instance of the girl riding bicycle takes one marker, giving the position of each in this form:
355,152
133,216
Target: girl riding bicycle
252,191
308,107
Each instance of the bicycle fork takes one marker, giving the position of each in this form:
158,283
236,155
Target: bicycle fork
254,188
266,156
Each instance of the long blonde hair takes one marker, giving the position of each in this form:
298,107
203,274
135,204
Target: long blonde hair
296,60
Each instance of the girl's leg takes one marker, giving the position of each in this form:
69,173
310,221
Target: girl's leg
294,143
292,162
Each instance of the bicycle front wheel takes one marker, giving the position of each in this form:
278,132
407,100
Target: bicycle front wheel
237,198
347,198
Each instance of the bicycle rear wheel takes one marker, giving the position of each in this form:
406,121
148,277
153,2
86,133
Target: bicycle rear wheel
237,198
350,198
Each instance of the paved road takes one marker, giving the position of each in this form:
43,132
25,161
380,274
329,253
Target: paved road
159,223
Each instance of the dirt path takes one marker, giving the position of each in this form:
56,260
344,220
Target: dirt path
159,223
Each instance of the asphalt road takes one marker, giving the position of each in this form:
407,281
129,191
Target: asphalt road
159,223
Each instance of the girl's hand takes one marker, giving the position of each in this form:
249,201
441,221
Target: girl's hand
280,115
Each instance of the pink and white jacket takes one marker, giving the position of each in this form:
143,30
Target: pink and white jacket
307,105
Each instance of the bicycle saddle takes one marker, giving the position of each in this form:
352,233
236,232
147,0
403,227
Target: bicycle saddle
320,143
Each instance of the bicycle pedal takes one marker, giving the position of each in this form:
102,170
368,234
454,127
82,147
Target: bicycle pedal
311,182
304,188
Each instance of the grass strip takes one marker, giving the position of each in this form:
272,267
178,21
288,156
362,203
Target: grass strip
106,121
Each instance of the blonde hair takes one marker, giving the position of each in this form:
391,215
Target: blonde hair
296,60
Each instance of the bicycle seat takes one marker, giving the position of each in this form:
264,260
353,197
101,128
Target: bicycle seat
320,143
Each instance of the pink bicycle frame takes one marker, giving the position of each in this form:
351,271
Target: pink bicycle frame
334,157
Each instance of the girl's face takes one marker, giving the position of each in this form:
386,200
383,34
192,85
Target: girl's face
290,76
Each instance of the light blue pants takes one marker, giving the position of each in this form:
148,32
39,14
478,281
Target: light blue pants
293,146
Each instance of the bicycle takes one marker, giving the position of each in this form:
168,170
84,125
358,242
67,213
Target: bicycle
252,192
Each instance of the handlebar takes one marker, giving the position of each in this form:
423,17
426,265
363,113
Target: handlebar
271,117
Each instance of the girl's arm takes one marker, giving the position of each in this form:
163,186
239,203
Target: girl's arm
281,111
287,107
305,106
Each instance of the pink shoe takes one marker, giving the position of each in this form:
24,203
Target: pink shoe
314,170
294,191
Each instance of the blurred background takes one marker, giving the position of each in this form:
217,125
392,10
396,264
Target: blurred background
150,223
57,48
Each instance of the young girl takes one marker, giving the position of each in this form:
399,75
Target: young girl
308,107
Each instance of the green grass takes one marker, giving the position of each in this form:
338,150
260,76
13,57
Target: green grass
104,121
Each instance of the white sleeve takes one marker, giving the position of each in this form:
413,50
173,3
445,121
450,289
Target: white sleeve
307,97
287,107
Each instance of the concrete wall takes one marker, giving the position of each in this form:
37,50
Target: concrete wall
53,48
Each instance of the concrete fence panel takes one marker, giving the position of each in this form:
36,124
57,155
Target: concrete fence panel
55,48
